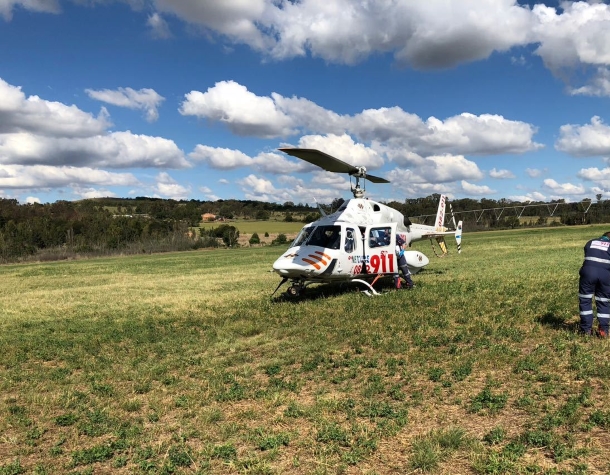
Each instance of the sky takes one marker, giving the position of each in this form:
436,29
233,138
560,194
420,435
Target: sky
191,99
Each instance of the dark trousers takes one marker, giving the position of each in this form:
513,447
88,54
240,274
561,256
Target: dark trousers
594,283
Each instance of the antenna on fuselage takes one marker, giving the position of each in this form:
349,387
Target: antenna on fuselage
332,164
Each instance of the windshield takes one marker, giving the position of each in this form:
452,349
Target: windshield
303,235
326,236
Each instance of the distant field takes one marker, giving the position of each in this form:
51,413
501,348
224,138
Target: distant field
260,227
182,363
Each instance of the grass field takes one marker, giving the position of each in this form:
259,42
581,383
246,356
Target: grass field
182,363
261,227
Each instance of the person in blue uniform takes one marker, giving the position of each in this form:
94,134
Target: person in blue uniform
402,266
594,282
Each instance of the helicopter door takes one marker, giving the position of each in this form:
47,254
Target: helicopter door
351,250
380,245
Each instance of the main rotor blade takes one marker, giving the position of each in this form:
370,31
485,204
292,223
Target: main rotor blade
376,179
329,163
321,159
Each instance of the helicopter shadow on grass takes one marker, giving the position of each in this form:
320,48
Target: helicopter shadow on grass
556,322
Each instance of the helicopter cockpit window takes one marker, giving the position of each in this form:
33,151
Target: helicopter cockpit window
379,237
326,236
302,236
350,240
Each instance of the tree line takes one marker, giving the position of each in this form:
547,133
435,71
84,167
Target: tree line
134,225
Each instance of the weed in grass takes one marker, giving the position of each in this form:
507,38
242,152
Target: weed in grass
435,374
600,418
332,433
294,410
489,401
98,453
65,420
495,436
132,406
224,452
462,371
13,468
179,456
272,441
425,455
494,463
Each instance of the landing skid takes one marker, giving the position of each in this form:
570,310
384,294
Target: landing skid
297,287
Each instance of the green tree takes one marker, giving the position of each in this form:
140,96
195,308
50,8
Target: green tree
254,239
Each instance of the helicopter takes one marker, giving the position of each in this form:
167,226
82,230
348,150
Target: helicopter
356,243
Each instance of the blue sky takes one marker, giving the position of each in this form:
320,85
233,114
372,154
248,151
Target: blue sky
190,99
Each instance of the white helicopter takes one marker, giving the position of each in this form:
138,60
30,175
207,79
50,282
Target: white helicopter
357,242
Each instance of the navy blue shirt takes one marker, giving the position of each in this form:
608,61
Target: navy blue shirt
597,253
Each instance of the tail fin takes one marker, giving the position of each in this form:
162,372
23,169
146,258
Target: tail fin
458,236
440,215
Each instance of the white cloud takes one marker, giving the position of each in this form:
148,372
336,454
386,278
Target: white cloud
389,130
425,35
579,35
43,6
147,100
115,150
562,189
32,200
588,140
87,193
599,85
35,115
439,169
158,26
221,158
476,189
344,148
242,111
501,174
168,187
533,172
533,196
41,176
223,181
600,178
237,20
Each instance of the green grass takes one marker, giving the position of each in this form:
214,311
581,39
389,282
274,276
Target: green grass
182,363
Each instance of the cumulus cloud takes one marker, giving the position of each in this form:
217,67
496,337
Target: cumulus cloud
533,196
424,35
147,100
43,6
115,150
43,176
31,200
242,111
533,172
590,140
87,193
45,144
501,174
562,189
392,131
472,189
35,115
168,187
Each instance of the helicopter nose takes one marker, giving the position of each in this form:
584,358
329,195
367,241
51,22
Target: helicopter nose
288,268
